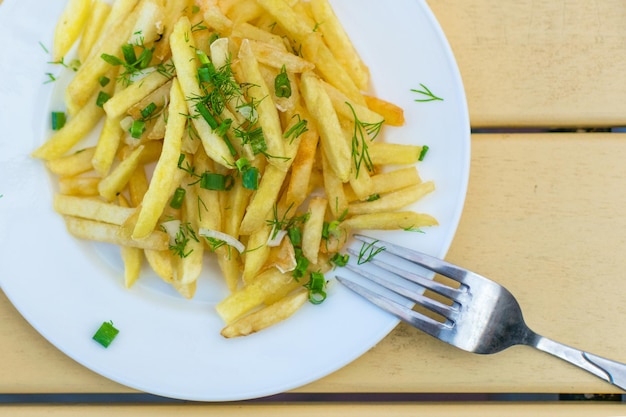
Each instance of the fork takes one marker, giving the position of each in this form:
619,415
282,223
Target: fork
481,316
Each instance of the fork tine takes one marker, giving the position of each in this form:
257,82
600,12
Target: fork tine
420,321
435,286
429,303
426,261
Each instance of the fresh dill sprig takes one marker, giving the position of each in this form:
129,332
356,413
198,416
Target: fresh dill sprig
426,92
297,129
284,222
184,235
363,133
368,252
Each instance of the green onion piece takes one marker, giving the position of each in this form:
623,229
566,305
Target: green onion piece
177,198
250,178
425,149
316,288
302,263
219,182
204,75
128,51
112,59
295,235
325,232
58,120
242,163
339,259
137,128
145,58
223,127
148,110
102,98
103,81
373,197
206,115
105,334
204,59
282,86
257,142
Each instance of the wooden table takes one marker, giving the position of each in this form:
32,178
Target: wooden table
545,82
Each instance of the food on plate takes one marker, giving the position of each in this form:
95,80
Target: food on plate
241,129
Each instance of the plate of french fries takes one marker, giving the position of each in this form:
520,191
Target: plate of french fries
180,180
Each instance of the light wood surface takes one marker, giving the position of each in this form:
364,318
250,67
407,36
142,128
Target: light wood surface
539,63
543,216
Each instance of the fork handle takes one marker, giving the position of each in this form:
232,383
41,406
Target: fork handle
606,369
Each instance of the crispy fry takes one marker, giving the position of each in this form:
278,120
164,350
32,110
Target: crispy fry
407,220
183,55
268,115
74,164
252,295
339,43
108,233
393,201
164,173
336,150
267,316
263,201
93,27
132,257
119,176
69,27
383,153
79,186
90,208
312,233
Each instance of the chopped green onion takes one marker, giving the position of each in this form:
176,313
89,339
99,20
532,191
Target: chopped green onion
316,288
223,127
296,130
103,81
148,110
250,178
257,141
219,182
282,86
204,59
242,164
137,128
112,59
295,235
177,198
204,75
102,98
105,334
145,58
128,51
373,197
340,260
206,115
329,229
423,152
58,120
302,263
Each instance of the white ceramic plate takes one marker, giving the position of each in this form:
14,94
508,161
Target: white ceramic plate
170,346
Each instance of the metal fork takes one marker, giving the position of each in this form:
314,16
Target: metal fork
482,317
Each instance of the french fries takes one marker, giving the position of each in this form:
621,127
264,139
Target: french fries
240,129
